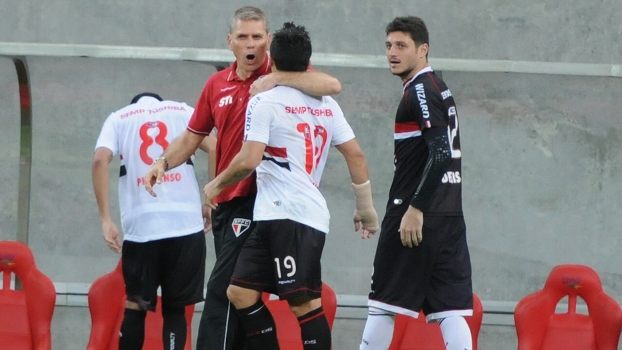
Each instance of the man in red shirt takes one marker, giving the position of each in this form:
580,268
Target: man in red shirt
222,105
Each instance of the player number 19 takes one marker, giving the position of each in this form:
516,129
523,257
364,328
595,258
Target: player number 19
289,263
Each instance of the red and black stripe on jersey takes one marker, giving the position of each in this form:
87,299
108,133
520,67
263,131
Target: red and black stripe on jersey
427,103
271,153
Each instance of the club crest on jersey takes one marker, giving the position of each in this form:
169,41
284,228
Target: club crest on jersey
240,225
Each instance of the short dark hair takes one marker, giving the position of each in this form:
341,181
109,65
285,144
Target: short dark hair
291,48
150,94
411,25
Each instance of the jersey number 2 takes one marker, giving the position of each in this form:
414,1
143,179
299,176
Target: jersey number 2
313,153
159,139
452,132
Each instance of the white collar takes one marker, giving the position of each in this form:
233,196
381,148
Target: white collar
426,69
147,99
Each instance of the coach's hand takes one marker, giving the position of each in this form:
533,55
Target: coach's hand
154,176
264,83
411,227
207,218
211,190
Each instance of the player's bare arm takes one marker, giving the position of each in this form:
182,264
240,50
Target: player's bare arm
101,184
365,215
175,154
312,83
208,145
439,158
242,165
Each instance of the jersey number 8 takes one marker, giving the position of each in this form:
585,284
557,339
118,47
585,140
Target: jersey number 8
148,140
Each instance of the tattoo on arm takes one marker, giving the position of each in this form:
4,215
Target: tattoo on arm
236,177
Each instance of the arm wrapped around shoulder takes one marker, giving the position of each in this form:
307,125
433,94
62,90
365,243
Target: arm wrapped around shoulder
365,212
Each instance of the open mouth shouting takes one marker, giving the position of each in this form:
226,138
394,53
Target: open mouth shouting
250,59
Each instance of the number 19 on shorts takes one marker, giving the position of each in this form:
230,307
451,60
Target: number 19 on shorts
289,266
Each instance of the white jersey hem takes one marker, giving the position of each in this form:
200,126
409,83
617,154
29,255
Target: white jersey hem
150,238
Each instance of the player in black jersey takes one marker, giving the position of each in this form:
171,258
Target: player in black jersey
422,260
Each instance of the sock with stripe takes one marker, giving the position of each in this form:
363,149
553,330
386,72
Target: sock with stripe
314,330
259,327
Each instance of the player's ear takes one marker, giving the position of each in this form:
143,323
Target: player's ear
229,39
423,50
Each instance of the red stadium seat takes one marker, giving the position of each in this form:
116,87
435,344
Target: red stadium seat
538,327
287,328
416,334
25,315
107,304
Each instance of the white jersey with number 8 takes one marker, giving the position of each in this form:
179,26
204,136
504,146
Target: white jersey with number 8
139,133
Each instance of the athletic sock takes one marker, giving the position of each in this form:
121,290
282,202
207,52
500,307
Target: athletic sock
259,327
132,334
456,333
174,328
378,331
314,330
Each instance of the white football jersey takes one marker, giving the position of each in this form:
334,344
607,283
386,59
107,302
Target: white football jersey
139,133
298,130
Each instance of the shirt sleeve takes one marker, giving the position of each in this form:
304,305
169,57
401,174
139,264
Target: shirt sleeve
342,132
202,121
425,102
439,159
259,116
108,137
189,112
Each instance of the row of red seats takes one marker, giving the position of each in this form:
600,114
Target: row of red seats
26,315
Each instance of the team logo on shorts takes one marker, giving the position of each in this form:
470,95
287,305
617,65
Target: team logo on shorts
240,225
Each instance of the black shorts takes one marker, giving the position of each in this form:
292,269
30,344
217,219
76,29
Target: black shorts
232,224
282,257
434,277
177,265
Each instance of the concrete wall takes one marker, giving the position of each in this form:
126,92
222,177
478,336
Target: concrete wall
541,153
557,30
